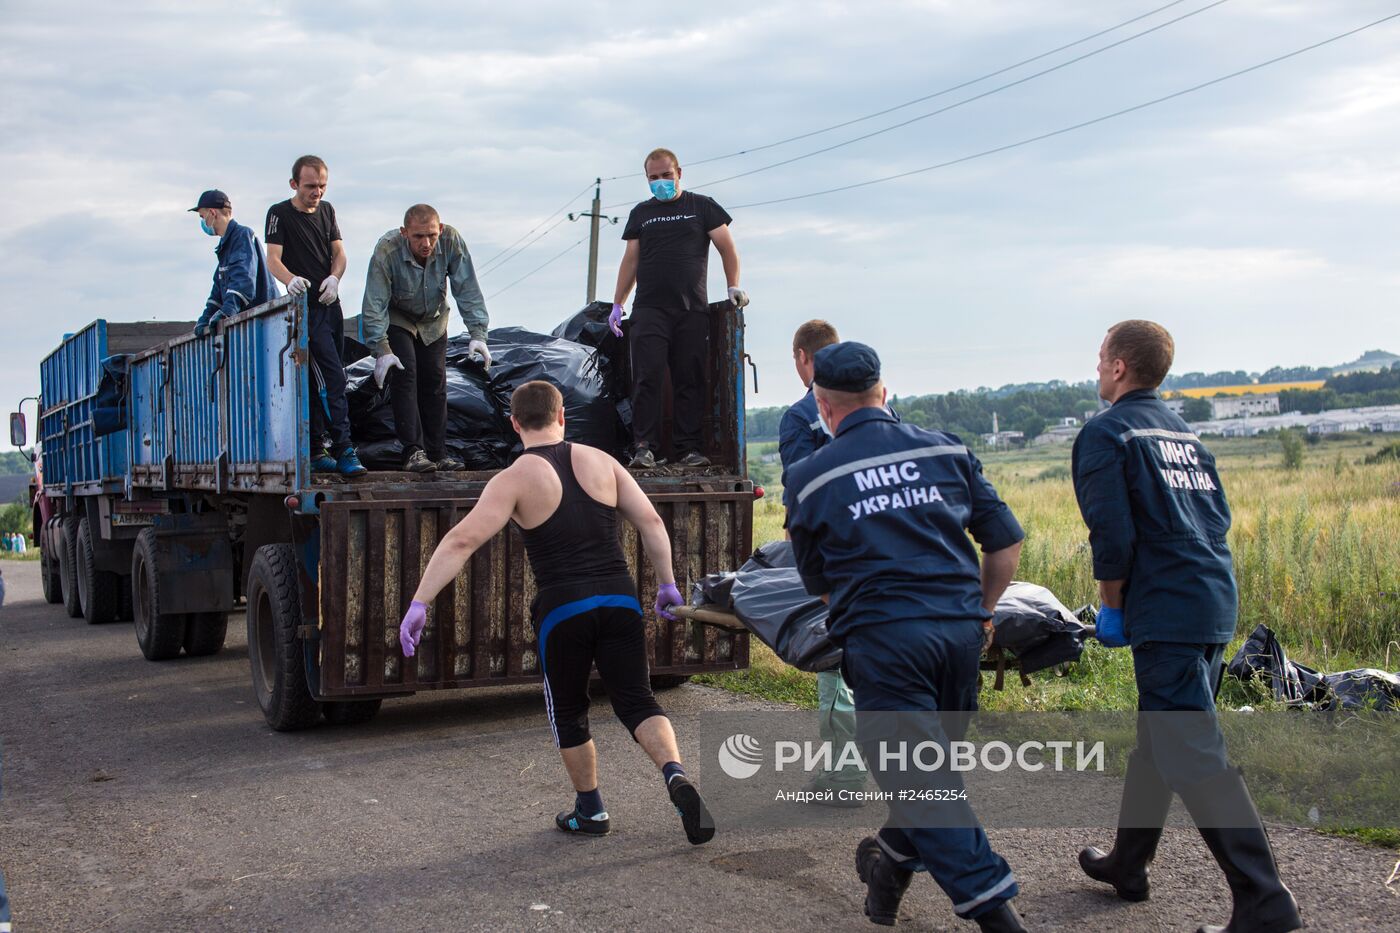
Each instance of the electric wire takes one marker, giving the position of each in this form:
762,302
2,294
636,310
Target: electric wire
918,100
1077,126
543,233
542,265
538,225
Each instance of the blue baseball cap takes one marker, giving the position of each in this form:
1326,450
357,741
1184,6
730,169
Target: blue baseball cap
212,198
846,367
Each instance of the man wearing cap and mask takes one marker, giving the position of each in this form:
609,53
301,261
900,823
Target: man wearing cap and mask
879,519
405,316
667,258
241,279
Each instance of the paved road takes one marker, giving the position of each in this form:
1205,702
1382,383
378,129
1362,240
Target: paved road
143,796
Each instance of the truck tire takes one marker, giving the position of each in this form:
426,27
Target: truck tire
67,534
50,574
350,712
274,650
160,636
97,590
669,681
205,632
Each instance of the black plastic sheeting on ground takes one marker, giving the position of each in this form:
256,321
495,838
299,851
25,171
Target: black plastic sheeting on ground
1299,685
589,368
767,596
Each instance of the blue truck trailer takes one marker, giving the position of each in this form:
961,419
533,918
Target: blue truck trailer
177,476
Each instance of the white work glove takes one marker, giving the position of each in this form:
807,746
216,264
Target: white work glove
382,366
738,296
297,285
330,290
479,346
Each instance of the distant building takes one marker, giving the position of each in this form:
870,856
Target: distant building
1061,434
1069,422
1177,405
1389,424
1343,425
1005,439
1241,406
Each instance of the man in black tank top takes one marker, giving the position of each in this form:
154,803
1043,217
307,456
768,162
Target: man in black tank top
586,611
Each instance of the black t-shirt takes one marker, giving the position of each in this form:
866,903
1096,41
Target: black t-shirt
675,250
305,239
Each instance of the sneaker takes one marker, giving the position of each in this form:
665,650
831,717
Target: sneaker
694,459
643,459
685,796
348,464
574,822
418,462
450,464
323,462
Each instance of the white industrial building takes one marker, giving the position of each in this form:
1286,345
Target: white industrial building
1336,421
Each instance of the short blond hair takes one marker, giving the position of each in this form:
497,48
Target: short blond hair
661,154
814,335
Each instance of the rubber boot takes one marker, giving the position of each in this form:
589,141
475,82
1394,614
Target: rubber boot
1002,920
885,882
1230,825
1146,800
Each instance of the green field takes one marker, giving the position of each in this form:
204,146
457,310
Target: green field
1317,553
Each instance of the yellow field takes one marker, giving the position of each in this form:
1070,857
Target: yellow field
1263,388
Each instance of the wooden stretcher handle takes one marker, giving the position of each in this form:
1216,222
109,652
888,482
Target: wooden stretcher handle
715,617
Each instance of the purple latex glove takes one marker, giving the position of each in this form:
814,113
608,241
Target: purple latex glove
615,320
667,596
411,628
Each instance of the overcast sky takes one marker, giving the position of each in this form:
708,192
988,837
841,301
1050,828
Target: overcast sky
1256,219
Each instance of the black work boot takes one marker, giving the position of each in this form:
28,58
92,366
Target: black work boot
1002,920
1146,800
885,882
1229,823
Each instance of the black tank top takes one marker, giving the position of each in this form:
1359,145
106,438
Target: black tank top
578,544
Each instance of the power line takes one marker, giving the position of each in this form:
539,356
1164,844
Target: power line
1076,126
543,233
538,225
918,100
557,255
966,100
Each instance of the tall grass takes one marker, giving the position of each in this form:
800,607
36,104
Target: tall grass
1317,549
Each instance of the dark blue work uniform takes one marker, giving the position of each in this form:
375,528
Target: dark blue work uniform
800,432
879,519
1157,516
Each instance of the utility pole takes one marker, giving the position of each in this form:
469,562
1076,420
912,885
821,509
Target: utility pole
594,216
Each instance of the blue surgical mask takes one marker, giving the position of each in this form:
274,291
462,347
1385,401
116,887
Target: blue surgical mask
664,189
204,225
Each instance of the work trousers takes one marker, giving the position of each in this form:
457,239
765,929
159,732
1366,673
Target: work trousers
926,672
668,339
330,413
418,392
1178,730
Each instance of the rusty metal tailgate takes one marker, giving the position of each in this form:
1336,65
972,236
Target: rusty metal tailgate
479,630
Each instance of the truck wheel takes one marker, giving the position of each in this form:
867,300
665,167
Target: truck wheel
204,633
669,681
350,712
50,575
97,589
160,636
67,535
274,650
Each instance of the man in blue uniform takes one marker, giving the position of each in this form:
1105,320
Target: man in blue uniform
241,279
1157,516
879,519
800,433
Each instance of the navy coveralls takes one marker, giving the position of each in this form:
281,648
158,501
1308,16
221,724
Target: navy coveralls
879,520
1157,516
799,432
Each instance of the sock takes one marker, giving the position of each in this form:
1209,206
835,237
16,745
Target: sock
670,769
589,802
